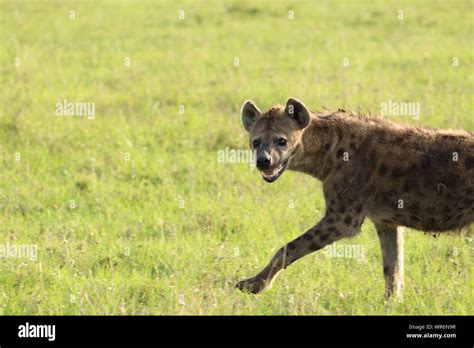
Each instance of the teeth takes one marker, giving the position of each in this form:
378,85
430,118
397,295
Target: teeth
269,174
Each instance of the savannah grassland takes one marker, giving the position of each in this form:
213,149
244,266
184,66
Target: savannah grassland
131,211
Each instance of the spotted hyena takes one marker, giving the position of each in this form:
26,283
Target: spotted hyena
395,175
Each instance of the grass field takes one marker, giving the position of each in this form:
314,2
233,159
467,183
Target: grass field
131,211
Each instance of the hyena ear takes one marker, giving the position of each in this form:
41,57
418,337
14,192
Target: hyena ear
249,115
298,111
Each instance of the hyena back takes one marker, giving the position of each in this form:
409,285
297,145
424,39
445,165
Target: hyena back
396,175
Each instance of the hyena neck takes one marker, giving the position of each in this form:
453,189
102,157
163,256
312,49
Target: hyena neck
319,141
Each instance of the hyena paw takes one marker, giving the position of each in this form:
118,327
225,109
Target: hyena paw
253,285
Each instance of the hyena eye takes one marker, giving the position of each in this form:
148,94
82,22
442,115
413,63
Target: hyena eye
256,143
281,142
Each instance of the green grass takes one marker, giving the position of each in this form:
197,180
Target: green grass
171,230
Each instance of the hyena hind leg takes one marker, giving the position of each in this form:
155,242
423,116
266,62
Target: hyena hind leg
391,242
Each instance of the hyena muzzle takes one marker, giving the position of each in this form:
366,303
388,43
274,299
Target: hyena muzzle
395,175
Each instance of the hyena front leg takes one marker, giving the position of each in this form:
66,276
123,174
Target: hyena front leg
330,229
391,242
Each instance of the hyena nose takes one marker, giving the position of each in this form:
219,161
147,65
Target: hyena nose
263,162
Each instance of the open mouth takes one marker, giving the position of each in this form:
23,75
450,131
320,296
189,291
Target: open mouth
270,175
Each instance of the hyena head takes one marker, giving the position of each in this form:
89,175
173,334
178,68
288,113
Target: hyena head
275,135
